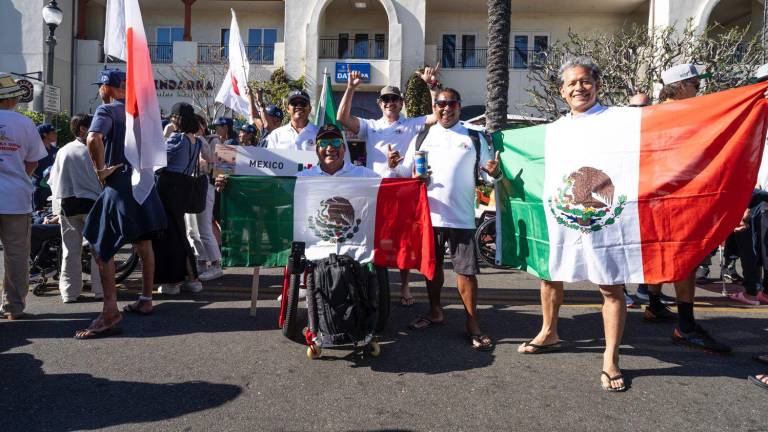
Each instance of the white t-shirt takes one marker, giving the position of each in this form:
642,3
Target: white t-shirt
451,190
287,138
348,170
19,143
378,134
73,175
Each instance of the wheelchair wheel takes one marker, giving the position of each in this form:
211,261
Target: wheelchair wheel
485,242
125,262
290,325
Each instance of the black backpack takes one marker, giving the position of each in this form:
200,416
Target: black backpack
473,134
346,299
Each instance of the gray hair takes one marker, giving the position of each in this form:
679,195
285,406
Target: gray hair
582,62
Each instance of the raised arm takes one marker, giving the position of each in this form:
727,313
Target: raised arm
257,116
430,76
343,115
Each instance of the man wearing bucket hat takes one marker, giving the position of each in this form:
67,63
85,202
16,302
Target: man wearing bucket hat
116,218
299,133
20,149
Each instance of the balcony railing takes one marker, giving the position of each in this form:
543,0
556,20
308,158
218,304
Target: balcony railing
161,53
215,53
353,48
460,58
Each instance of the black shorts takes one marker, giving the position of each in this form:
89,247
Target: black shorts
461,243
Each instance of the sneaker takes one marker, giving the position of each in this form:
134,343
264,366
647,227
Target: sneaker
762,298
192,286
730,275
702,274
658,316
742,298
169,289
630,300
642,295
213,272
699,339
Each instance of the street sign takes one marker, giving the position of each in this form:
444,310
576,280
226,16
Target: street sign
29,90
51,99
364,68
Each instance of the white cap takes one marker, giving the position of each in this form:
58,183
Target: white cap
681,72
762,71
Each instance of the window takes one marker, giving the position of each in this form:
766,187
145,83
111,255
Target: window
344,45
166,36
528,49
225,43
361,45
379,46
448,59
261,45
468,51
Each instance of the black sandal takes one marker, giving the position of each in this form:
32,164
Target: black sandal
136,308
481,342
613,378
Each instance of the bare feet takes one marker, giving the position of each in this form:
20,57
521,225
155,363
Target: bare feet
541,339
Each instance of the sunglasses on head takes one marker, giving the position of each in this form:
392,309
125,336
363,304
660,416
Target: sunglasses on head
298,103
334,142
389,98
447,102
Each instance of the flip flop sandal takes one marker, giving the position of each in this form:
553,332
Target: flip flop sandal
613,378
542,349
481,342
130,308
422,323
98,334
753,379
407,301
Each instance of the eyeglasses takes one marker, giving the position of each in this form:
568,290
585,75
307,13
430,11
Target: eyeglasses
325,142
298,103
453,103
389,99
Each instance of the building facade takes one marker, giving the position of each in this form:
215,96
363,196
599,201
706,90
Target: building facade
389,39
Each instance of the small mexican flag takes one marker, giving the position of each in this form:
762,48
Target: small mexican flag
386,221
629,195
326,111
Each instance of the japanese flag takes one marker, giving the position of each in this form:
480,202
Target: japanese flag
232,93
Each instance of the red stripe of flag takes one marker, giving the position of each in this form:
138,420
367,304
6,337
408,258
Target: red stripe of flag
404,238
699,160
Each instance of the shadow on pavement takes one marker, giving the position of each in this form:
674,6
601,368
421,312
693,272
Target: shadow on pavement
83,402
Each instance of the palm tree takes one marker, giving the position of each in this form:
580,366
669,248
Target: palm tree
497,87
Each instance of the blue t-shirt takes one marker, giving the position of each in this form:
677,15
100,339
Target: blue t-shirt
109,120
182,155
44,163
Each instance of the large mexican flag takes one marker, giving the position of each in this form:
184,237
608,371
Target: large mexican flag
629,195
386,221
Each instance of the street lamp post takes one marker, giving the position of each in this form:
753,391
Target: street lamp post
52,16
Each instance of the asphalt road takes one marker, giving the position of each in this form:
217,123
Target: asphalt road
201,363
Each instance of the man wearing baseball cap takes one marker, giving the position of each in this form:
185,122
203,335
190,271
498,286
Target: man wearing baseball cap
248,135
116,218
299,133
330,149
390,133
49,135
20,149
681,82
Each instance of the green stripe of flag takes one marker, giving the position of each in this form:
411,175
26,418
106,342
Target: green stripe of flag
326,111
525,239
257,221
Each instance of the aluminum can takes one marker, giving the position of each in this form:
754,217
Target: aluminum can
421,162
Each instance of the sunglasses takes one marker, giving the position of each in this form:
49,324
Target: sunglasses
334,142
637,105
299,103
447,102
389,99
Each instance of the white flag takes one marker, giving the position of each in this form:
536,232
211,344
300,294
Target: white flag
232,93
144,143
114,30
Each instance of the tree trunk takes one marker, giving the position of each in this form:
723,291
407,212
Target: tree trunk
497,87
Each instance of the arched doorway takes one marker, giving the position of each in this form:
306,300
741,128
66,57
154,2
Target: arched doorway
371,33
731,13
